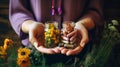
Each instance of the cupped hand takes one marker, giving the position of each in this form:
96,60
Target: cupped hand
81,34
36,37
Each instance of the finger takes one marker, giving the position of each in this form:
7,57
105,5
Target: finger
75,51
72,33
46,50
56,50
43,49
82,44
60,48
73,38
63,51
32,38
84,40
84,35
82,30
65,38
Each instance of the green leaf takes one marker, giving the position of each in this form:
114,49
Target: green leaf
115,22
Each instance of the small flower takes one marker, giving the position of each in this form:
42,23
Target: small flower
23,52
23,62
2,52
7,43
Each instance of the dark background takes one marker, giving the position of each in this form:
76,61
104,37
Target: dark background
111,11
6,30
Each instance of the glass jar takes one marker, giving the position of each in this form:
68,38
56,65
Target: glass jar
67,27
52,34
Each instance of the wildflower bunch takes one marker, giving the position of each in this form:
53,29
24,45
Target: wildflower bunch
52,35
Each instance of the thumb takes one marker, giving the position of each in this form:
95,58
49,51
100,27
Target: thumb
83,42
32,38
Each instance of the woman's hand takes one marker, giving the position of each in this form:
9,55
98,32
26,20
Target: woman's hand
81,34
36,36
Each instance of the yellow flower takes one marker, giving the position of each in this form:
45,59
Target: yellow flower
7,43
23,52
23,62
2,52
1,48
52,34
48,35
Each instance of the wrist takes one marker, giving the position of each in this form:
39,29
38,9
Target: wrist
88,23
26,25
79,26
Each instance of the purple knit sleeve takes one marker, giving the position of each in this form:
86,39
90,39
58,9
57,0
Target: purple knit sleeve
18,13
